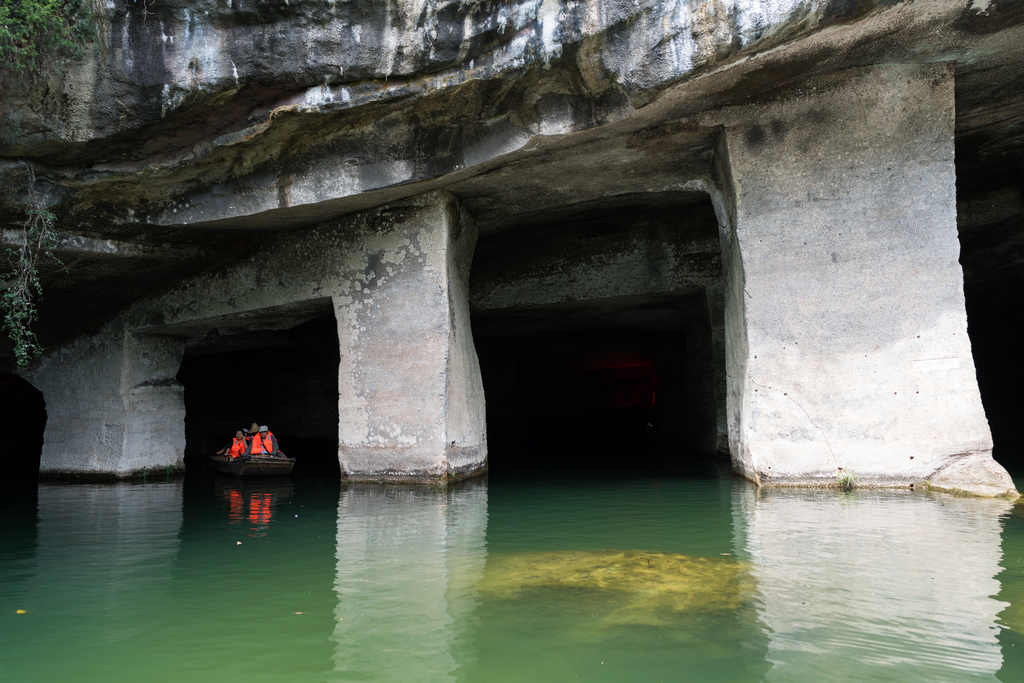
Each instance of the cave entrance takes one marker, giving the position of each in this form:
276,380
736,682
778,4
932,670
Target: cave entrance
600,331
633,393
24,410
286,379
990,219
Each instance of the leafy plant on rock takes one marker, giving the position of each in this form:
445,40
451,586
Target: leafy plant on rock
846,480
21,285
32,30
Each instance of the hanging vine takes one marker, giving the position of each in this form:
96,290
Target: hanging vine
21,286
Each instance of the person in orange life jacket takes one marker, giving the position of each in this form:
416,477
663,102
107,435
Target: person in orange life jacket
265,443
239,445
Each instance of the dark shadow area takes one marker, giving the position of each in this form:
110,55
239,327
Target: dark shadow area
990,219
596,340
999,361
572,402
24,411
599,400
287,380
24,415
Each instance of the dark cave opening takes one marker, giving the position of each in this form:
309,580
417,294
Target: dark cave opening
598,347
24,410
597,400
287,380
996,347
990,220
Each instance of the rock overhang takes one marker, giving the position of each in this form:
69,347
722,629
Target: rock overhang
296,143
216,143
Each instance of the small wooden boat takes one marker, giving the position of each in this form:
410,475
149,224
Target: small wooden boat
252,466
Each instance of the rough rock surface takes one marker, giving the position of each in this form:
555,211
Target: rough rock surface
195,134
410,399
976,475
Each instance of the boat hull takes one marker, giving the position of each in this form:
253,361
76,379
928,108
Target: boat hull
252,466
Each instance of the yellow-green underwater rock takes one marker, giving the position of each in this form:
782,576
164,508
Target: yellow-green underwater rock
626,587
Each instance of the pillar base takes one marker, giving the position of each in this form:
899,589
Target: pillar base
970,475
976,475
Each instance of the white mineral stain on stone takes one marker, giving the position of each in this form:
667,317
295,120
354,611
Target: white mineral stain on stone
549,28
318,95
981,6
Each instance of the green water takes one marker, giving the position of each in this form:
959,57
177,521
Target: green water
507,580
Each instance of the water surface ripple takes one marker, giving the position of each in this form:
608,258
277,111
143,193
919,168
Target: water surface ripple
659,579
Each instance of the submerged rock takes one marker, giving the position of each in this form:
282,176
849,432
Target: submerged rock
630,587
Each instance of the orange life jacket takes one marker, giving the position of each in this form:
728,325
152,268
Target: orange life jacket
237,447
259,444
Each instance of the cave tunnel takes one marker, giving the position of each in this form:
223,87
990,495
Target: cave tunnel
990,219
24,411
597,369
601,399
597,400
285,379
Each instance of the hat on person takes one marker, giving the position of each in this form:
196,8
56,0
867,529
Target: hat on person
263,428
255,428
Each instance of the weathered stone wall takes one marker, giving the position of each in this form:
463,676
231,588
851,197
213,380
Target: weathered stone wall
411,402
183,57
845,308
214,129
671,253
113,406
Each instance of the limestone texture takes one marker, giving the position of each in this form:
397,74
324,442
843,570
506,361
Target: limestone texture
795,208
410,400
855,352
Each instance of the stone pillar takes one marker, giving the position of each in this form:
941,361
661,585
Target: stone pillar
715,299
411,403
847,340
113,406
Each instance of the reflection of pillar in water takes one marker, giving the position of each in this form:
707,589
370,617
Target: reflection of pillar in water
409,561
860,586
132,529
102,551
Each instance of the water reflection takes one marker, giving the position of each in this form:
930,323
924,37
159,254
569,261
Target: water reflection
605,580
129,529
103,553
409,561
874,585
253,503
310,581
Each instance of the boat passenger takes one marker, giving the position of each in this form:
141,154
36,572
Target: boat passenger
239,445
265,443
